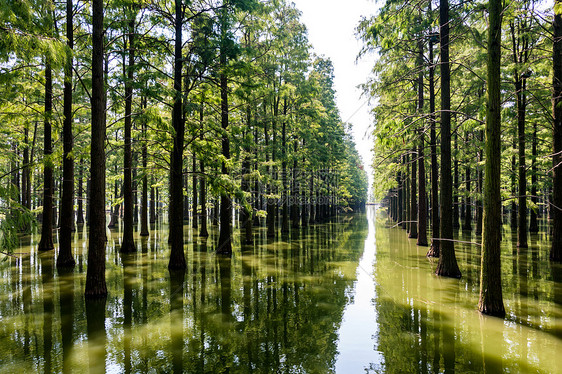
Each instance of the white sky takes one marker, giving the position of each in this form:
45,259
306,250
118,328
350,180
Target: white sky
331,31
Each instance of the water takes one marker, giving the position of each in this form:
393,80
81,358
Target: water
351,296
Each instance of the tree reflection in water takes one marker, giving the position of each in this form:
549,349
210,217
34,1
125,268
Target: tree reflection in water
278,306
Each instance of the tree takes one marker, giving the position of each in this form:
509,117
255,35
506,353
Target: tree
65,258
447,265
556,207
128,243
491,301
95,276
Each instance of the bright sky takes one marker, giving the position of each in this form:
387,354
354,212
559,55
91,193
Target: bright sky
331,31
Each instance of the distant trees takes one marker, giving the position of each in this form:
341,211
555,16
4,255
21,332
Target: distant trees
239,116
398,36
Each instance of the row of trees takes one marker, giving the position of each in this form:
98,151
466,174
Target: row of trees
238,114
489,89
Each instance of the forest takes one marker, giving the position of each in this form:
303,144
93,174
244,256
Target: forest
120,113
468,126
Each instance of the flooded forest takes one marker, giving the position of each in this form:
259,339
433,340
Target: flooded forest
179,192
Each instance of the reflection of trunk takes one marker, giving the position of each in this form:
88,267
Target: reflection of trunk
127,312
46,242
176,319
491,301
65,258
95,277
177,257
447,265
48,308
556,207
96,334
66,308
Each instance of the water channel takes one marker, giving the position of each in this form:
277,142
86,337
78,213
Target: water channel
350,296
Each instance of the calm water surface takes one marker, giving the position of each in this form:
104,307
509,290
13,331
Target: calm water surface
350,296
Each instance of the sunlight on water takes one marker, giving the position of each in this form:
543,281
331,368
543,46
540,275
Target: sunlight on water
350,296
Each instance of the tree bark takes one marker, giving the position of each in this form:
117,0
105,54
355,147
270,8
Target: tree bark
491,300
203,198
533,222
95,276
46,242
144,198
447,265
177,256
65,258
422,205
224,245
128,243
556,206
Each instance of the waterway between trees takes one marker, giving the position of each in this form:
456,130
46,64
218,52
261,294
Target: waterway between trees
350,296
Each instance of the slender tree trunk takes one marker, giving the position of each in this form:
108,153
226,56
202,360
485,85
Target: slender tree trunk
80,197
533,223
144,197
413,197
65,258
95,276
447,265
128,243
177,256
467,226
203,195
422,205
224,245
434,249
46,242
407,203
284,202
556,206
195,222
456,187
152,218
479,207
491,300
295,191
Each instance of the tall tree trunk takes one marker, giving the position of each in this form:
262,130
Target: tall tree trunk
46,242
224,245
128,243
153,202
65,258
447,265
203,198
479,207
95,276
144,198
284,198
467,225
177,256
533,222
295,191
456,186
556,206
195,222
434,249
413,197
80,197
422,205
491,300
407,204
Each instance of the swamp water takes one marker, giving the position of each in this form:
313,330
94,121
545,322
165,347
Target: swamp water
350,296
